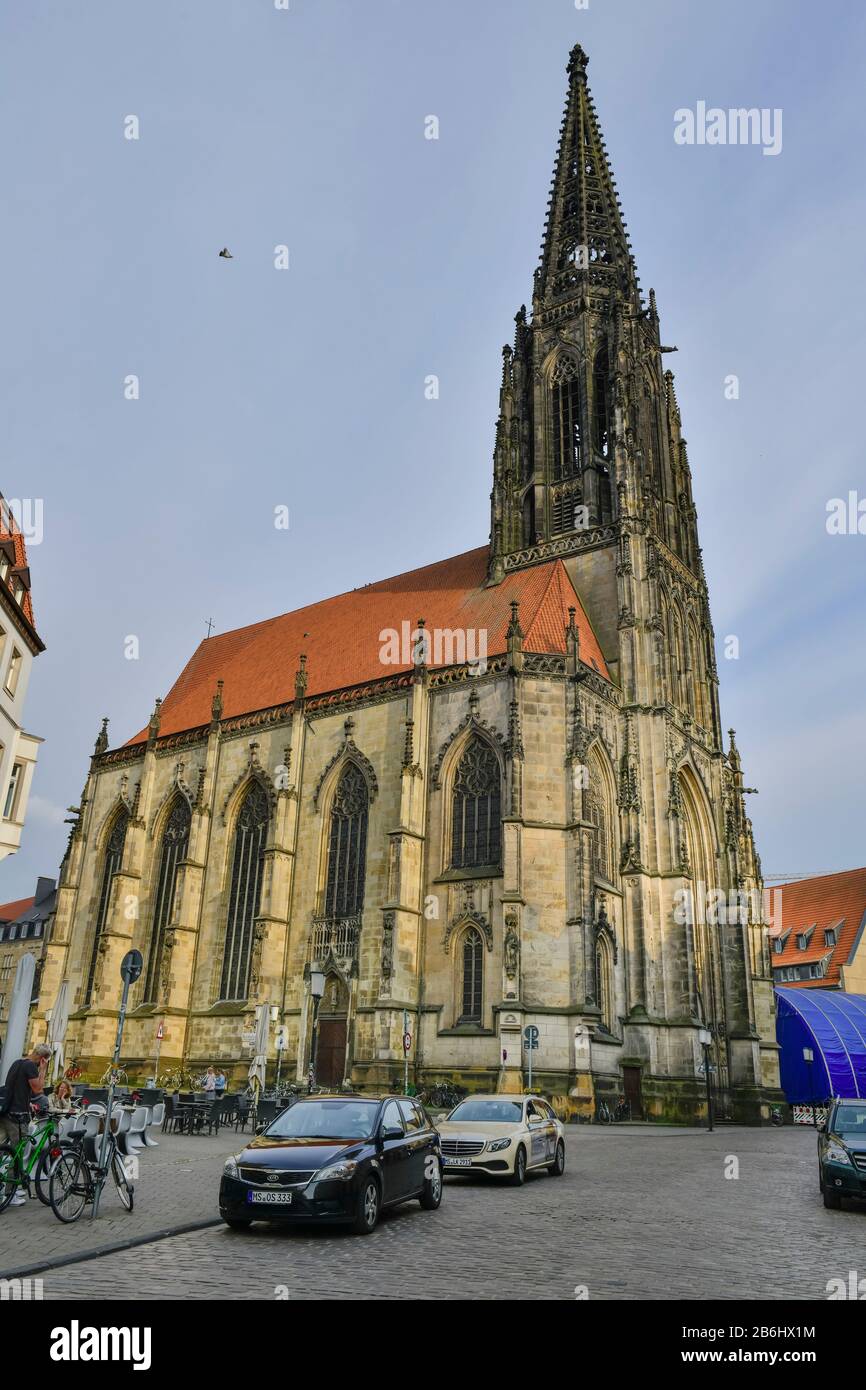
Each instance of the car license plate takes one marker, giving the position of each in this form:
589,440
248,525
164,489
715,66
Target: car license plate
271,1198
458,1163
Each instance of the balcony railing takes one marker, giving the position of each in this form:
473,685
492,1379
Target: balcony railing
337,934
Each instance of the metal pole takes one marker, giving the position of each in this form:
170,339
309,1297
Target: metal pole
103,1148
709,1088
405,1053
812,1097
529,1049
158,1046
314,1041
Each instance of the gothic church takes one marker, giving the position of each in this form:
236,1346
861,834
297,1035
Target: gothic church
483,845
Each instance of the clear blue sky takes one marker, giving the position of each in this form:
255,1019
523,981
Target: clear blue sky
410,257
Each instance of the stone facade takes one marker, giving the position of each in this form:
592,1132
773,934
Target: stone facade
620,817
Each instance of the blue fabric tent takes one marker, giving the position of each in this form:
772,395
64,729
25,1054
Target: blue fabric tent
833,1024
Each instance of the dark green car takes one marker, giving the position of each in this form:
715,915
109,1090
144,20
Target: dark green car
842,1152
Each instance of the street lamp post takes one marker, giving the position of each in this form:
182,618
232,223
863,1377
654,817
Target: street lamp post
317,989
809,1058
705,1039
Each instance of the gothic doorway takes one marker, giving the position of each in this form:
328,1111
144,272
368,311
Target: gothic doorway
333,1034
631,1090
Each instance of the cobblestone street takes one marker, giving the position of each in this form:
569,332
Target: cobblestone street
641,1213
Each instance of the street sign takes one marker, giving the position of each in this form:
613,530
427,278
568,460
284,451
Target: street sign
407,1041
131,967
530,1037
159,1032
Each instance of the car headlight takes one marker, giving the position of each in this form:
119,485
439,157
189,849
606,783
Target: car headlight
835,1153
496,1144
337,1172
230,1168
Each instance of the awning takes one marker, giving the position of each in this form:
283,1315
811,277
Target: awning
833,1025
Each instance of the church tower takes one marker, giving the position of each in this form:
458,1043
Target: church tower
588,444
590,467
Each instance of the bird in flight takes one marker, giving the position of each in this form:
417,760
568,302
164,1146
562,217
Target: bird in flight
226,254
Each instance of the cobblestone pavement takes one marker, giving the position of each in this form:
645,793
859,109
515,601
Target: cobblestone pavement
640,1213
176,1184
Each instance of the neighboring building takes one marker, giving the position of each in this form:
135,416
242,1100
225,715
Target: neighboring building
472,847
24,928
19,644
819,941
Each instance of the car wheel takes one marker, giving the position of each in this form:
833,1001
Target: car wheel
367,1210
431,1193
518,1177
832,1199
237,1223
557,1167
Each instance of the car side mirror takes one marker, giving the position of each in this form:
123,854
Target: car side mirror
260,1129
391,1132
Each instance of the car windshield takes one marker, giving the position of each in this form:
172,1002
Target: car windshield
487,1112
851,1120
325,1119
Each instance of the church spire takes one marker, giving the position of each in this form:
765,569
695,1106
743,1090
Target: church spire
585,239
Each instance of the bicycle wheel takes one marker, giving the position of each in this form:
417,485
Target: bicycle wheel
125,1190
9,1176
47,1159
69,1185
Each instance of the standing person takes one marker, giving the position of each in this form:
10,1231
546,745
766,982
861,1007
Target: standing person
210,1082
24,1081
220,1083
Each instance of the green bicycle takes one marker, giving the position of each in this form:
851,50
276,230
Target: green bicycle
30,1159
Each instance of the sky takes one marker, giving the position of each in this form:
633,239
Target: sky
304,388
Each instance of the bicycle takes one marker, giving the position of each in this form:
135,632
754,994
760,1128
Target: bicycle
114,1075
30,1159
77,1177
602,1113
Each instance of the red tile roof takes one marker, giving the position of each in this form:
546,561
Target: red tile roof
342,636
10,912
9,531
833,900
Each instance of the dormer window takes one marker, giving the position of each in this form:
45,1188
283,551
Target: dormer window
19,591
4,566
830,936
778,945
802,941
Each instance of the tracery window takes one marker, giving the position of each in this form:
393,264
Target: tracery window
245,891
347,844
601,403
473,976
604,980
111,865
476,808
565,403
174,845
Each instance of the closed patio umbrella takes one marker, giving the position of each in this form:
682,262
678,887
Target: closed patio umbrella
57,1031
19,1011
259,1063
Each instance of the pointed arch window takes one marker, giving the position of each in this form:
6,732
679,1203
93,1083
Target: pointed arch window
476,826
347,845
529,518
473,977
565,404
604,980
598,815
112,862
244,891
173,848
563,508
601,403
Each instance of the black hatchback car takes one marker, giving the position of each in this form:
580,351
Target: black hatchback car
335,1159
842,1152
